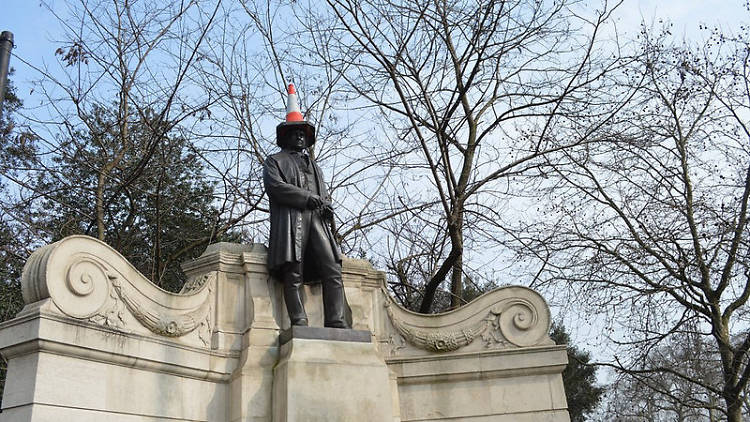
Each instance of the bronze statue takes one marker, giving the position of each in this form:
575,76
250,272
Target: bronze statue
301,244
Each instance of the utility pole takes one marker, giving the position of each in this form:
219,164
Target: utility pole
6,44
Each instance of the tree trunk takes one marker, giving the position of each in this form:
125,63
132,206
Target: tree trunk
457,284
100,205
734,409
436,280
457,244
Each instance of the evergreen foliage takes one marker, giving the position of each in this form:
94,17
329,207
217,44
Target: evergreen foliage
157,216
161,218
579,377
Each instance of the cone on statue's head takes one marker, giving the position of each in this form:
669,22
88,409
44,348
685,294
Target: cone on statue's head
294,120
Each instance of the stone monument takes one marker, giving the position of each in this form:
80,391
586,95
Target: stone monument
98,341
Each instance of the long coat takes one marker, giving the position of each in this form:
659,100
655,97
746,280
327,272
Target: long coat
288,199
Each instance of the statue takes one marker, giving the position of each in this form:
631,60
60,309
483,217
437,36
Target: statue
301,244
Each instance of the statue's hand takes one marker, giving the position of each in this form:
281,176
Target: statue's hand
314,202
327,211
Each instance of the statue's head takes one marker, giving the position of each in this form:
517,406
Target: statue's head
295,139
291,135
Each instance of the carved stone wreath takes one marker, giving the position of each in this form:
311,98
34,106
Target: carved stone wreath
170,323
449,340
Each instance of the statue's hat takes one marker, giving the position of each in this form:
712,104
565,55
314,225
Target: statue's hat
294,120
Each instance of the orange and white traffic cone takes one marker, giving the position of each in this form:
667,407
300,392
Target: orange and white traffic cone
294,120
292,106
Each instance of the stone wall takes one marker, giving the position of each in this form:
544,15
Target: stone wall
97,340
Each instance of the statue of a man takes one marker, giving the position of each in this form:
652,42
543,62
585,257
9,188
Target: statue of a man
301,244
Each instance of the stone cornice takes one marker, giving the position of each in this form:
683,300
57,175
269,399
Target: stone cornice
42,331
454,367
88,280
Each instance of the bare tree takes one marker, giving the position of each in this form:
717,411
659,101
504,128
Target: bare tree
641,394
114,107
264,46
137,79
466,94
650,228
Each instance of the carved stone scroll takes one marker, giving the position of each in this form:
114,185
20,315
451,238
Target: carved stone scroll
87,279
511,316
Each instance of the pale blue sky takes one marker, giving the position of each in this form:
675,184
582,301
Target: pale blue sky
36,30
33,28
686,14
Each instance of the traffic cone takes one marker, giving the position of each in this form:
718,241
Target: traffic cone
294,120
292,107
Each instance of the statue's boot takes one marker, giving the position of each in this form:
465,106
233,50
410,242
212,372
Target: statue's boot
292,283
334,303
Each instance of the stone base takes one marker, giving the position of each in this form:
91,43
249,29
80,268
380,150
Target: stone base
329,374
61,371
521,385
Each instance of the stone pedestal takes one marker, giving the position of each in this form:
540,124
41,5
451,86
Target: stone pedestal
328,374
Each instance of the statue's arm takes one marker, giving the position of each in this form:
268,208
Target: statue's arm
280,191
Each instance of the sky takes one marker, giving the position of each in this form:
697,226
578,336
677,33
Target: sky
686,14
33,29
37,31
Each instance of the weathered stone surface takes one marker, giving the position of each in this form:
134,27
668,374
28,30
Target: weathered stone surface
487,385
85,372
504,318
97,341
331,380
